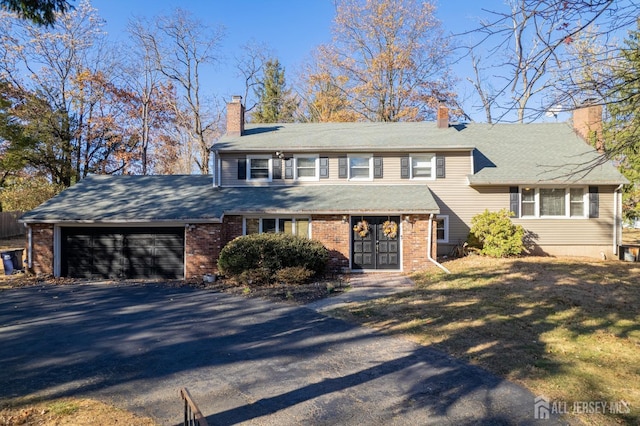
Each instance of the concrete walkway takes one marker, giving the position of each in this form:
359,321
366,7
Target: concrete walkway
245,361
365,286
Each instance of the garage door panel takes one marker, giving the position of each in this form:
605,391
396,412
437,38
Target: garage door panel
123,253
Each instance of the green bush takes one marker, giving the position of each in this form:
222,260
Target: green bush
272,252
495,235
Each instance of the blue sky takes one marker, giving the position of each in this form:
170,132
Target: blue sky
292,28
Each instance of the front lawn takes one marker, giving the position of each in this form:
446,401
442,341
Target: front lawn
568,329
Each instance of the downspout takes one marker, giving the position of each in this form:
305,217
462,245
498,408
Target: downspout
429,245
616,222
29,247
214,162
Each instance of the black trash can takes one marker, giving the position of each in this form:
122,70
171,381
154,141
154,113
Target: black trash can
18,265
7,262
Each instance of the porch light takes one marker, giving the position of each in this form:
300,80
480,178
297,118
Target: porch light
344,218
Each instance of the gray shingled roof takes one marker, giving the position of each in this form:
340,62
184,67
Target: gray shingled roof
504,153
115,199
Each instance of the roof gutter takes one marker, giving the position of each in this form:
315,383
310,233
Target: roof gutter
429,245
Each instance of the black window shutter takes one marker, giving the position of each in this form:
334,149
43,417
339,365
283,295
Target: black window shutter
377,167
440,166
288,168
324,168
594,202
514,200
342,168
277,168
404,167
242,168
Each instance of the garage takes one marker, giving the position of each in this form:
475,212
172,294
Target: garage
115,253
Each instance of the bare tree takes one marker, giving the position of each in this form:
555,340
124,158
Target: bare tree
182,47
529,45
250,66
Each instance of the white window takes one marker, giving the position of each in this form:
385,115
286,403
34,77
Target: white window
442,229
528,202
576,202
307,168
553,202
423,166
361,167
287,225
259,168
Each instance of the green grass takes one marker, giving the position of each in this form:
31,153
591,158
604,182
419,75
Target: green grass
568,329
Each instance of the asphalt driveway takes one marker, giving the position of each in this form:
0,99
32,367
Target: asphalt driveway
244,361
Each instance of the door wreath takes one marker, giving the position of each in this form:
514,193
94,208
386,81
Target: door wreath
390,229
362,228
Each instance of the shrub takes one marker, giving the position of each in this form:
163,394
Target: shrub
496,235
272,252
293,275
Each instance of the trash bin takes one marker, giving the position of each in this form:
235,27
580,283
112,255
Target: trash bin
18,265
12,261
7,262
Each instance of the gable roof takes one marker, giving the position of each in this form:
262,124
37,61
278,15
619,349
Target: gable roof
549,153
192,198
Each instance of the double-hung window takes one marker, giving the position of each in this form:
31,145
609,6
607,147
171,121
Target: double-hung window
259,168
423,166
306,168
442,228
360,167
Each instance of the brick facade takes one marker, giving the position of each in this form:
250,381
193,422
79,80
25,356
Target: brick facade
203,243
42,252
415,234
331,231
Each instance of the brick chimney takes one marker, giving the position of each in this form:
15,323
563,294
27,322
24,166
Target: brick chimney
235,116
442,117
587,122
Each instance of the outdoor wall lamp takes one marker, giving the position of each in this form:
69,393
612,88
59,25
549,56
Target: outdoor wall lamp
280,154
344,218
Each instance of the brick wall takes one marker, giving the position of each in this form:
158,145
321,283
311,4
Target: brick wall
334,234
42,253
414,245
203,243
232,228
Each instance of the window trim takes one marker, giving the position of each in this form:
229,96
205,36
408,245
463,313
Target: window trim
433,165
277,219
368,157
567,202
445,218
270,166
316,159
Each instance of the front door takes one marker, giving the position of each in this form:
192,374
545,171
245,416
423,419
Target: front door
375,242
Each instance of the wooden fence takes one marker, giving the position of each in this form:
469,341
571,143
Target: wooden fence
9,226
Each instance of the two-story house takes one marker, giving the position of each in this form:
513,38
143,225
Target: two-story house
379,196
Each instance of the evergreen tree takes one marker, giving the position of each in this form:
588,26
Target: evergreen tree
275,102
622,136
